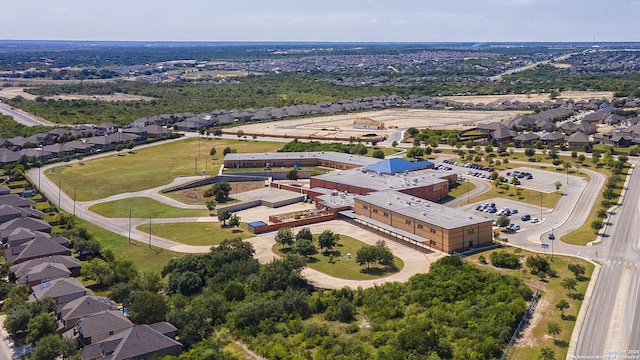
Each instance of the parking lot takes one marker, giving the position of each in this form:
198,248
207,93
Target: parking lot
521,208
544,180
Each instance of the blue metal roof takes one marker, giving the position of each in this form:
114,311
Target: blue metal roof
397,165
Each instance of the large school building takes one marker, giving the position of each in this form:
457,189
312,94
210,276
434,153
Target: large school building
395,196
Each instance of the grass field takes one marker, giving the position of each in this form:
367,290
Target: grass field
143,207
528,196
147,168
210,233
552,292
143,258
342,266
458,189
194,196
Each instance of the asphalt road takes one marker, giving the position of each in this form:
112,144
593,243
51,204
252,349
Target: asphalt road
23,117
612,324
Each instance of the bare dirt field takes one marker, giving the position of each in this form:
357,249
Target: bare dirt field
11,92
341,126
497,99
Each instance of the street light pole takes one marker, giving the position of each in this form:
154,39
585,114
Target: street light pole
468,187
149,232
540,206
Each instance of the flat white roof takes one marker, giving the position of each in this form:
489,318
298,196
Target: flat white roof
321,155
423,210
380,182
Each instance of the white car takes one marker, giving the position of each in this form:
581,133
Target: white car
534,220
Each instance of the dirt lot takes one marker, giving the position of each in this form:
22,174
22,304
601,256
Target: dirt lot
11,92
341,126
497,99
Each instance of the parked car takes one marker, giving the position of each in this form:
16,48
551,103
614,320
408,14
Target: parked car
514,211
534,220
551,236
525,217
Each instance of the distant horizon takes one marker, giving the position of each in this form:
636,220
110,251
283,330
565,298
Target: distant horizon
333,21
478,43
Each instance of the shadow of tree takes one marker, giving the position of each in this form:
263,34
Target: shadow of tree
576,296
560,343
569,317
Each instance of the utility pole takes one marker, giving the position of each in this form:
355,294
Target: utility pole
59,190
149,232
129,225
75,190
540,206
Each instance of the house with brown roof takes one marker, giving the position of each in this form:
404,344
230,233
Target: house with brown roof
70,313
99,326
22,269
43,272
10,212
61,290
553,138
137,342
15,200
26,222
577,141
527,138
34,249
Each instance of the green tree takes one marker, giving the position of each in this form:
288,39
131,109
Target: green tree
547,353
18,295
96,269
148,307
292,174
529,152
53,346
578,270
415,152
366,255
413,131
328,240
234,221
538,264
223,216
394,144
503,221
569,284
39,326
304,233
284,237
304,247
240,133
602,214
378,154
211,205
557,184
553,329
562,305
596,225
213,152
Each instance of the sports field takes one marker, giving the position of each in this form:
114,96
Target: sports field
147,168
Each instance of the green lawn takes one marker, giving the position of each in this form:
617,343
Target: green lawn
142,207
343,267
549,200
458,189
197,233
146,168
143,258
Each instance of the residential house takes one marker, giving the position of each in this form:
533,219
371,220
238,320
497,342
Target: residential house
136,342
35,249
33,224
577,141
10,212
70,313
527,138
43,272
554,138
587,128
22,269
99,326
61,290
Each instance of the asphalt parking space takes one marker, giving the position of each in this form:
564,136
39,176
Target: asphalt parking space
522,208
543,180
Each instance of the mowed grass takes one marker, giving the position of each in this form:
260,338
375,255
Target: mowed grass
146,168
209,233
342,267
528,196
458,189
143,258
143,207
546,312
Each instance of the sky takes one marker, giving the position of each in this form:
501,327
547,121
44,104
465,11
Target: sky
322,21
